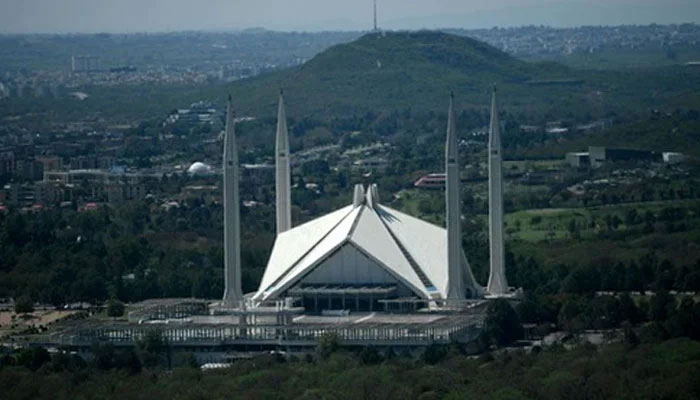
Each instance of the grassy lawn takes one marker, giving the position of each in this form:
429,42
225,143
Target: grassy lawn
545,234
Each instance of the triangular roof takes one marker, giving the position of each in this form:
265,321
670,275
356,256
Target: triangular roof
373,238
424,241
411,250
290,246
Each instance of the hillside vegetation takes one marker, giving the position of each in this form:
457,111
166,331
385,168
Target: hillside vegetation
665,370
417,70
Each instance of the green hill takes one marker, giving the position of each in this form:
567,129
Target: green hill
395,71
381,72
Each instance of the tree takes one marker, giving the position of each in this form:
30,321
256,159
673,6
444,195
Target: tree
64,361
15,231
369,355
603,312
581,280
187,360
151,347
629,310
434,353
616,221
115,308
630,336
425,206
527,311
649,218
573,229
692,282
633,278
569,314
662,306
24,305
103,356
33,357
328,344
502,323
128,361
664,276
631,217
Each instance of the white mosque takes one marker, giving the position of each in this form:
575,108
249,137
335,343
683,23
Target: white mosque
365,255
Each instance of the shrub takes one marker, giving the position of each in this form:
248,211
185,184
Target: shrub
24,305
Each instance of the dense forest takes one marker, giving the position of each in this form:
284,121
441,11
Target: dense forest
660,359
629,370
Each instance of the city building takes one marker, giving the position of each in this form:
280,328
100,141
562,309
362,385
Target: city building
90,162
199,168
371,164
578,159
100,185
600,155
674,158
597,156
21,166
431,181
85,63
258,173
51,163
29,194
201,112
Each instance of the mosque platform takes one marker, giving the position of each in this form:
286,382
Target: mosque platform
281,329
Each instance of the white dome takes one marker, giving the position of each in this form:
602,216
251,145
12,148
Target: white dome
199,168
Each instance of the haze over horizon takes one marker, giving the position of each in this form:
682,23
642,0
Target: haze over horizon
92,16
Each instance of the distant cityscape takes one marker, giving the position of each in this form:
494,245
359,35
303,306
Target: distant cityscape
541,41
236,56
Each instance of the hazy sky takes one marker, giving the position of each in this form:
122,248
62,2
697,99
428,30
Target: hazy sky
172,15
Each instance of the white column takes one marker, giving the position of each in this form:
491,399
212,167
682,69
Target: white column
284,212
455,288
233,293
497,278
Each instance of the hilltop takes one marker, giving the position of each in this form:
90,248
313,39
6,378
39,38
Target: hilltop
400,70
395,71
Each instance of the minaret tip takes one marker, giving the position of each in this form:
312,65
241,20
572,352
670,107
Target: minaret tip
281,91
282,170
229,97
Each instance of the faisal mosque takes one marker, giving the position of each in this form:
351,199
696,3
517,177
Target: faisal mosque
366,255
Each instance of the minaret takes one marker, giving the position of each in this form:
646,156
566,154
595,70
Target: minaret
284,211
233,294
455,288
497,277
